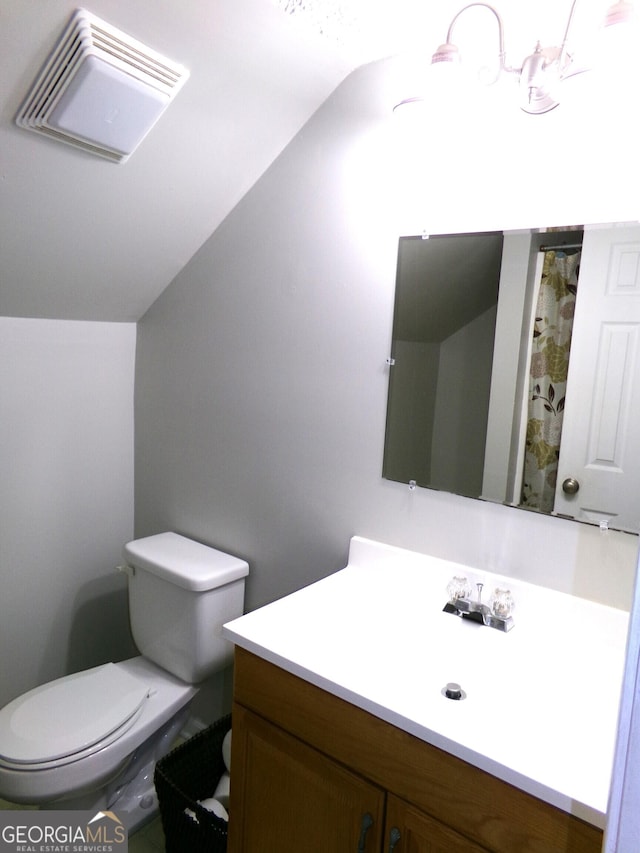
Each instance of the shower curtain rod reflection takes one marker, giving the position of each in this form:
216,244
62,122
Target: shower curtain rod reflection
560,247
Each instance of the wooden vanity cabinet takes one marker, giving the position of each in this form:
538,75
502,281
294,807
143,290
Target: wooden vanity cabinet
314,774
297,799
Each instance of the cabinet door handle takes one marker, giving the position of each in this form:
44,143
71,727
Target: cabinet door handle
365,826
394,837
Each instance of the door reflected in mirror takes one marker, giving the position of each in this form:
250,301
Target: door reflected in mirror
515,367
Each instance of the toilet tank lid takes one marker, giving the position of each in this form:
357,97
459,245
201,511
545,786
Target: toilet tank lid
184,562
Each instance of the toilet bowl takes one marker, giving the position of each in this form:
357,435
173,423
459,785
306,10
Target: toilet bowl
65,738
90,740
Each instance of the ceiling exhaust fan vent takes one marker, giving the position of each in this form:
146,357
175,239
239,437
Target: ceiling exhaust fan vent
100,89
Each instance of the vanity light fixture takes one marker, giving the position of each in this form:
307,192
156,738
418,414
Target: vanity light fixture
541,73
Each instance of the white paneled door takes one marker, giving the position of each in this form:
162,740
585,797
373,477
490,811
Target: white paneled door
599,466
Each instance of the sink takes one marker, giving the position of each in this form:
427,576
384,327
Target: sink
541,702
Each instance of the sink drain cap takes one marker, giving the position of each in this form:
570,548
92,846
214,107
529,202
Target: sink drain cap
452,690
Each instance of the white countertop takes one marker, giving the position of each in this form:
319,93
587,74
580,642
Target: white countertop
542,700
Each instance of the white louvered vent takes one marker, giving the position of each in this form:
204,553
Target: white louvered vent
100,89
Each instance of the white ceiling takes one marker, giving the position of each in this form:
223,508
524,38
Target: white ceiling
84,238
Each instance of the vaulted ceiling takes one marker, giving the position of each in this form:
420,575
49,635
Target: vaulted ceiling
84,238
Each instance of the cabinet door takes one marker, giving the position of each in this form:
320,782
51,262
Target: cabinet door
285,796
409,830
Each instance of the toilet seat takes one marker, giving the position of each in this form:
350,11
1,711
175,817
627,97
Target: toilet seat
70,718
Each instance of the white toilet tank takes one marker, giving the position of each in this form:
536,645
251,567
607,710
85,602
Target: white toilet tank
180,594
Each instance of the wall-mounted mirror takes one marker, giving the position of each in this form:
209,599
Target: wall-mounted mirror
515,370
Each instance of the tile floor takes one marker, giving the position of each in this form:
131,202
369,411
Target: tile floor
148,839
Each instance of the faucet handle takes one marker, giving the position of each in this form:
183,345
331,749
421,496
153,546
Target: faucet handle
458,587
502,603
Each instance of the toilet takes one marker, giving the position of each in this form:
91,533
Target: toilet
90,740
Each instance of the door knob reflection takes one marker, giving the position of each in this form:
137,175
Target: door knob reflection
570,486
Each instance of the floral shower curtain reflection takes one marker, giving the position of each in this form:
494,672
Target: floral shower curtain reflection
548,377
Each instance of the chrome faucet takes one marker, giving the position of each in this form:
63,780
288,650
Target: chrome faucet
497,614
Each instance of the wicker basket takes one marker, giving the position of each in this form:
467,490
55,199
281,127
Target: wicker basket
187,774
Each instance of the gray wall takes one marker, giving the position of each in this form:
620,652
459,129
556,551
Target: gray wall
460,424
261,376
66,496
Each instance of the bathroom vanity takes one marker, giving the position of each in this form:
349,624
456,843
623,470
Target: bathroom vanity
344,740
